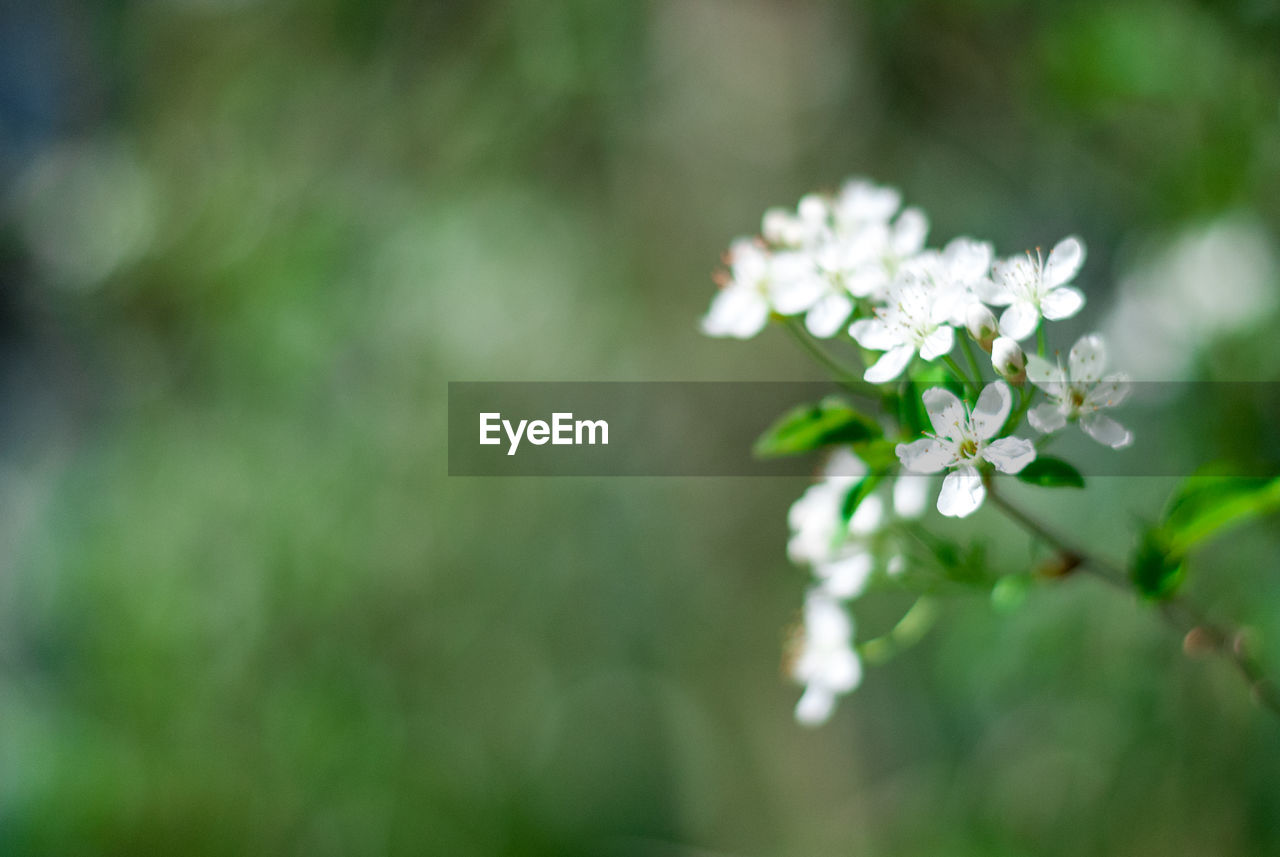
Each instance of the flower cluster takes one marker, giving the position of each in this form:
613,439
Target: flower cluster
844,551
855,263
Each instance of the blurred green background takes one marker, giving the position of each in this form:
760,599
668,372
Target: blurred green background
245,244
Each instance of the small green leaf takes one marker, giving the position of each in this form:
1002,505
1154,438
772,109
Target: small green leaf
1205,506
810,427
1154,570
1051,472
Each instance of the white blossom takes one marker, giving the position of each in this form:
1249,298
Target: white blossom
827,664
913,320
1079,392
1033,288
963,439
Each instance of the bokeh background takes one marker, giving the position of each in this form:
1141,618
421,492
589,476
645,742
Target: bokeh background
244,245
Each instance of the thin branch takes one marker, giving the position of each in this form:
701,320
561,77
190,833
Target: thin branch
1199,635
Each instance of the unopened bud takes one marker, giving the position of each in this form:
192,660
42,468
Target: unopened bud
1198,642
1008,360
780,227
982,326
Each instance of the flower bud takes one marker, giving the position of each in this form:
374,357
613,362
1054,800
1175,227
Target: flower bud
1008,360
982,325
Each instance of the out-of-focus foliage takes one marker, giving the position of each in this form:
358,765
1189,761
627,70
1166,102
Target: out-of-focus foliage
243,610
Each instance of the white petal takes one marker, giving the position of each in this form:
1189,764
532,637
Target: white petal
945,410
794,283
1064,261
1105,430
938,343
1046,417
992,409
890,365
1062,302
1087,359
736,312
1109,392
874,334
868,517
967,260
962,493
896,565
909,231
1019,320
926,455
815,705
1045,375
846,578
867,280
828,315
909,496
1010,454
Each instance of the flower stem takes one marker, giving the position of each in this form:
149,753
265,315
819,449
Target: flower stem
967,347
913,625
1040,344
1199,634
960,374
844,376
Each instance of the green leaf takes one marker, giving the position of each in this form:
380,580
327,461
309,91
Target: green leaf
810,427
1051,472
1206,506
1154,570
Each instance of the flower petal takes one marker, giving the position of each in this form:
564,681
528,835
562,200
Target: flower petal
828,315
909,231
868,517
874,334
1019,320
909,496
1010,454
1064,261
938,343
815,705
946,411
1046,417
992,409
890,365
736,312
1062,302
926,455
962,493
1109,392
1042,373
1105,430
847,577
1087,359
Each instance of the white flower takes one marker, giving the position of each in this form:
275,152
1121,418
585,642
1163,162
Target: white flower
1080,392
817,526
913,320
1008,360
827,665
1032,288
962,440
741,308
960,273
759,281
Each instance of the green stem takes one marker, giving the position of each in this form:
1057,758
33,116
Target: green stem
960,374
909,630
1040,344
845,377
967,347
